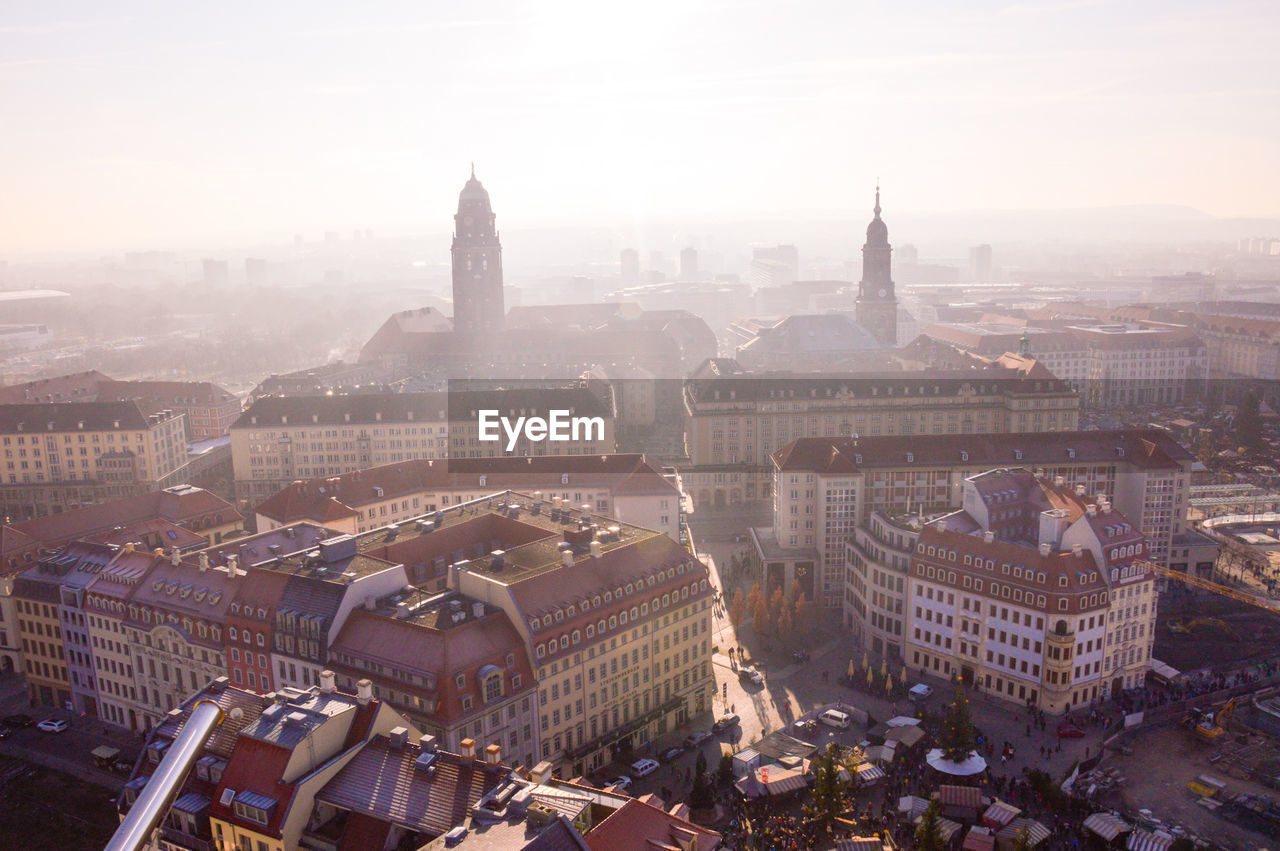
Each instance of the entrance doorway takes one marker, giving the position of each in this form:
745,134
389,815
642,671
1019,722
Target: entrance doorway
1117,687
966,676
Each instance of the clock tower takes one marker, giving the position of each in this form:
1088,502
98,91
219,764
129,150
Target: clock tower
477,267
877,306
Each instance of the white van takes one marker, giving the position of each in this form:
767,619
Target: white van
835,718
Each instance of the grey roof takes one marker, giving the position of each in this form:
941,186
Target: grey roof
288,722
812,334
67,416
388,784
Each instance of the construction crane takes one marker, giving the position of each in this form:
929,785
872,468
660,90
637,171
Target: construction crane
1188,578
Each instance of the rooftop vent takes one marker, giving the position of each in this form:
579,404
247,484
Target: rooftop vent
496,559
988,536
337,548
455,836
398,738
1044,549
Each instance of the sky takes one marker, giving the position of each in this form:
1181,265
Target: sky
152,124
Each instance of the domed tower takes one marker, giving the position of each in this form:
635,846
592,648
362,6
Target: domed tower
477,266
877,306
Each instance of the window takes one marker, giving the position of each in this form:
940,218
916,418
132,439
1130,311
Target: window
492,687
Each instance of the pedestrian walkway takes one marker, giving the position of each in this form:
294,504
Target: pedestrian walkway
76,768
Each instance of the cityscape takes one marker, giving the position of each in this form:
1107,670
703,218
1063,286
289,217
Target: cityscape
901,504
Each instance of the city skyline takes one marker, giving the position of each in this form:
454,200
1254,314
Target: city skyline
271,124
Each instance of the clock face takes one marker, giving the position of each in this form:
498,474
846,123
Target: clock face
883,292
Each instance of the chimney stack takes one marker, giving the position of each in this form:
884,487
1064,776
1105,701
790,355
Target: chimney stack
596,549
398,738
988,536
1077,550
204,562
477,609
427,743
364,692
327,684
493,755
1044,549
467,748
541,772
566,557
173,556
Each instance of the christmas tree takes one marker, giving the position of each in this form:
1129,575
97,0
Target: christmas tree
957,736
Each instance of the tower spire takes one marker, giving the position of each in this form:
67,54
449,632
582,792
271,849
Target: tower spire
877,208
473,177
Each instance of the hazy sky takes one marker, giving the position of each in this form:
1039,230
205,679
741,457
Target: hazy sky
145,124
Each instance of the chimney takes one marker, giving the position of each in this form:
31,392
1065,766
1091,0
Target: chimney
467,748
159,551
1106,508
364,692
1080,490
370,602
477,609
541,772
496,559
232,558
566,557
1091,509
493,755
988,536
1059,481
1044,548
596,549
398,738
427,743
1100,498
204,562
942,525
402,611
327,685
1077,550
173,556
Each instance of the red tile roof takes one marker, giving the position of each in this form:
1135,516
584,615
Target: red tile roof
167,393
638,826
180,505
255,766
77,387
339,497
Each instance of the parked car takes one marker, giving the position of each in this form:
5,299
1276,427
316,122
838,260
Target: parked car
920,691
724,722
1067,730
750,675
693,740
16,721
805,728
641,767
54,725
622,781
671,754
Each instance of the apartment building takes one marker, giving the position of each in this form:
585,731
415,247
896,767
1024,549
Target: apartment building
282,439
454,667
1130,365
209,410
61,456
1036,593
1239,346
106,611
736,420
625,486
616,619
255,782
826,487
51,626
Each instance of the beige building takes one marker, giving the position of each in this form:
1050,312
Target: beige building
1036,593
279,440
627,487
210,410
737,420
62,456
616,619
825,488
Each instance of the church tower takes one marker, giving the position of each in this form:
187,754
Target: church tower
877,307
477,267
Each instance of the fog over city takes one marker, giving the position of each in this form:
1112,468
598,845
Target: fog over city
711,425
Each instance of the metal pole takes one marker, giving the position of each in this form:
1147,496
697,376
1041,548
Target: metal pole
157,796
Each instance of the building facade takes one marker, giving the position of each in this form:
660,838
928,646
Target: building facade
825,488
64,455
279,440
736,421
1035,593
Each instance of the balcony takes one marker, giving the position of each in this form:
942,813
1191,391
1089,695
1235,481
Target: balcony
171,837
